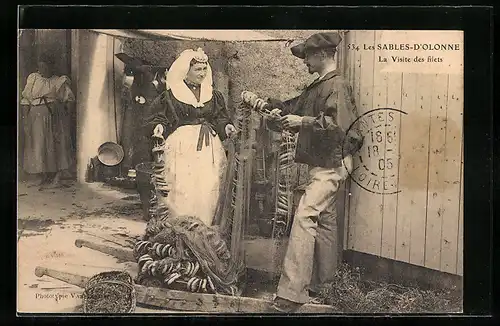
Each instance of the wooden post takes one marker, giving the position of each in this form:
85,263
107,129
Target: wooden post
27,65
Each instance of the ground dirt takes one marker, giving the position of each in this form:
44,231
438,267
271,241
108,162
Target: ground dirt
50,221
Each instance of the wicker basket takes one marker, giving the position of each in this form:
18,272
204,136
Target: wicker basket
110,282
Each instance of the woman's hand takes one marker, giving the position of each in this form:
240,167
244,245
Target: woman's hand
230,130
158,131
24,116
24,110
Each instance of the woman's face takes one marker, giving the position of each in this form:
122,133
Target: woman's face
45,69
197,72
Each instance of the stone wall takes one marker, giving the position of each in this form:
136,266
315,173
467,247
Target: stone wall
268,68
265,68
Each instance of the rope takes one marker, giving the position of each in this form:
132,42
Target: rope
114,92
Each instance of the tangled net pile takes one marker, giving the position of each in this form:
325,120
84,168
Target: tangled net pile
181,252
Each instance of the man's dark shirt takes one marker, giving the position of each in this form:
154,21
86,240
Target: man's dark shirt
329,111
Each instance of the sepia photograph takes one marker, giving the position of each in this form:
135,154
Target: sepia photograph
240,171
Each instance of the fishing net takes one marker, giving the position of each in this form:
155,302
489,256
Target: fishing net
286,174
181,252
186,255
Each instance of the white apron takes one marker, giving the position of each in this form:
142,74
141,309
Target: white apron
193,177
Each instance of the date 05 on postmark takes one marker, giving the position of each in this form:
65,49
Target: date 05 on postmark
376,163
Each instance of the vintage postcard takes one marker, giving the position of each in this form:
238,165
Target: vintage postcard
240,171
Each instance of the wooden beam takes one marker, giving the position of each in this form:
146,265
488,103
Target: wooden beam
123,254
398,272
188,301
261,254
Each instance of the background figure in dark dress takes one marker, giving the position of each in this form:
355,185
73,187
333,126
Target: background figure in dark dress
195,122
142,83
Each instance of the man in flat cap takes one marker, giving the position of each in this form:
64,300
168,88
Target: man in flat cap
322,115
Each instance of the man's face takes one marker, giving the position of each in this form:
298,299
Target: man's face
313,61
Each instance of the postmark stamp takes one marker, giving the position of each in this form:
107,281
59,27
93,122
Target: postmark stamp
375,164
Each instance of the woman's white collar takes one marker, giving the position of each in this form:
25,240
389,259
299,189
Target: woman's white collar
183,94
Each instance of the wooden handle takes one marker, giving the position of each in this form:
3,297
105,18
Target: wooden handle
119,253
79,243
40,271
69,278
187,301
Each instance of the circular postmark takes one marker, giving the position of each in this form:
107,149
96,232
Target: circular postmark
375,164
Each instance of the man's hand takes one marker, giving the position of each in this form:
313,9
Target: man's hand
230,130
275,113
291,121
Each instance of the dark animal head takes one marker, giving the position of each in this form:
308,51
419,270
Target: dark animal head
146,81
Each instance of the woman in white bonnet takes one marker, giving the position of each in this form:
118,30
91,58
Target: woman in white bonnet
195,122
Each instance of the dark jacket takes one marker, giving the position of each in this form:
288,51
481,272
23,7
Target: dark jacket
172,113
329,111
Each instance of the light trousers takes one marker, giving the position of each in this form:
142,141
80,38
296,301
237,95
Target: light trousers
313,254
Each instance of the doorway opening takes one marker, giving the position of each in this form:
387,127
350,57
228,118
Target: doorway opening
31,44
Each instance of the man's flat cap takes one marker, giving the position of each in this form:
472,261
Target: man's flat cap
316,42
